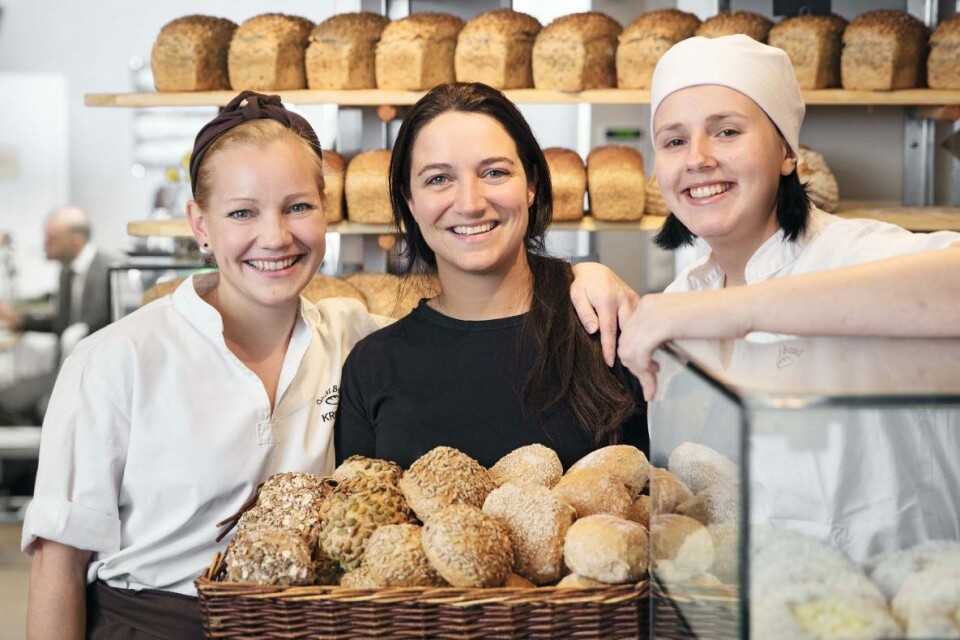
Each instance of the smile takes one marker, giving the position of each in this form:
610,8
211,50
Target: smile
709,190
465,230
273,265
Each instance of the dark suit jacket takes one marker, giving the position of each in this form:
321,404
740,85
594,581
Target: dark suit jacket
94,308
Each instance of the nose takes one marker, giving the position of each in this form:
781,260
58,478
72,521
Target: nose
274,231
700,153
470,200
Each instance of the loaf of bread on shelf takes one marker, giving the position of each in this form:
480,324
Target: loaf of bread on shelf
813,44
616,183
496,48
569,180
655,205
190,54
577,52
943,63
341,51
647,38
321,286
267,51
333,186
368,196
390,295
883,50
819,181
733,22
417,52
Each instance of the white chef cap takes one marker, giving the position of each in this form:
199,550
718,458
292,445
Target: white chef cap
760,72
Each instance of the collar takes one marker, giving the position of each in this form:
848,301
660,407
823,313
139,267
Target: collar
81,264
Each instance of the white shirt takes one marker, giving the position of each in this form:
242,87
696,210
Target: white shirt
156,431
79,266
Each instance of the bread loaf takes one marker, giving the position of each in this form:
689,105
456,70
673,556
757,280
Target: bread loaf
190,54
647,38
816,177
390,295
883,50
734,22
341,51
496,48
655,205
576,52
333,186
366,187
266,53
417,52
943,64
569,180
616,183
321,286
813,44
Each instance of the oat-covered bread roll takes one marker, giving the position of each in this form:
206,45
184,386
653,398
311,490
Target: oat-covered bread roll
445,476
808,611
890,570
943,63
733,22
160,289
626,462
269,557
367,188
818,179
577,52
699,467
666,491
647,38
266,53
321,286
467,547
394,557
532,464
616,183
714,505
576,581
592,491
190,54
363,466
568,179
813,44
640,512
390,295
680,545
417,52
358,579
655,205
288,501
536,522
333,174
340,53
606,548
883,50
496,48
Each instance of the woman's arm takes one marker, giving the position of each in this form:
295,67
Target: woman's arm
602,301
56,604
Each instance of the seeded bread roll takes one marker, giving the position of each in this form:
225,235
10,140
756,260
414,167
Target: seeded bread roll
655,205
592,491
943,63
358,579
532,464
809,611
682,544
341,51
269,557
813,44
666,491
394,557
321,286
467,547
883,50
266,53
333,170
496,48
699,467
445,476
626,462
390,295
616,183
190,54
160,289
645,40
374,467
819,181
606,548
734,22
569,181
417,52
366,186
577,52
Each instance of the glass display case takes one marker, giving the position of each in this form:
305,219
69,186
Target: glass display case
809,488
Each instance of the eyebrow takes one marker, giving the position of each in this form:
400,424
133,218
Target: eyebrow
712,119
442,166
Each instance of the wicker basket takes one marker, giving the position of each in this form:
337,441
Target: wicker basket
690,613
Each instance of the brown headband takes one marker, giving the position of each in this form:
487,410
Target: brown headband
247,106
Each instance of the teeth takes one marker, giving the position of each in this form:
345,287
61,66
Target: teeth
469,231
265,265
710,190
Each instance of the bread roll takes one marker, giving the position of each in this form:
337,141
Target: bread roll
269,557
641,511
943,63
655,204
445,476
341,51
765,580
813,44
883,50
190,54
681,544
592,491
699,467
496,48
606,548
467,547
514,581
616,183
575,581
890,570
362,466
367,188
267,51
576,52
394,557
321,286
714,505
624,461
815,175
645,40
417,52
569,181
726,552
666,491
382,292
810,611
333,170
532,464
733,22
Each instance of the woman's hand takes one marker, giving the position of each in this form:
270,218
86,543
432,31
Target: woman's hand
57,601
603,301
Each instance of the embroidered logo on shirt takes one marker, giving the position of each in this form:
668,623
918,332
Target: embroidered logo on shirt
788,355
330,398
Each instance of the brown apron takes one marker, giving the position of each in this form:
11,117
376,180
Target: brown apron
125,614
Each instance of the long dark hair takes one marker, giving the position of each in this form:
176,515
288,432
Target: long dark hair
568,365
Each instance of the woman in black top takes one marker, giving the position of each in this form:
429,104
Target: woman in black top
498,359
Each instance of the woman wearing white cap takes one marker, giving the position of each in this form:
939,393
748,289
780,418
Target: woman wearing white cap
726,115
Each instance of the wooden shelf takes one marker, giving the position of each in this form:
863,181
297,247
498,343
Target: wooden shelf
910,218
376,97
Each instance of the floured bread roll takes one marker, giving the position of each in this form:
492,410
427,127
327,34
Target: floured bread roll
666,491
269,557
655,204
532,464
394,557
626,462
680,546
445,476
363,466
936,617
699,467
467,547
816,176
890,570
924,587
576,581
321,286
592,491
641,511
809,612
606,548
726,552
714,505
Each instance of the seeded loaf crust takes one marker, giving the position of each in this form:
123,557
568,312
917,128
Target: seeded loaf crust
577,52
616,184
190,54
366,186
341,51
390,295
569,180
655,204
733,22
417,52
444,476
883,50
467,547
321,286
819,181
333,170
943,63
266,53
645,40
496,48
813,44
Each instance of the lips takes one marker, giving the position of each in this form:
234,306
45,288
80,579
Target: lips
273,265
